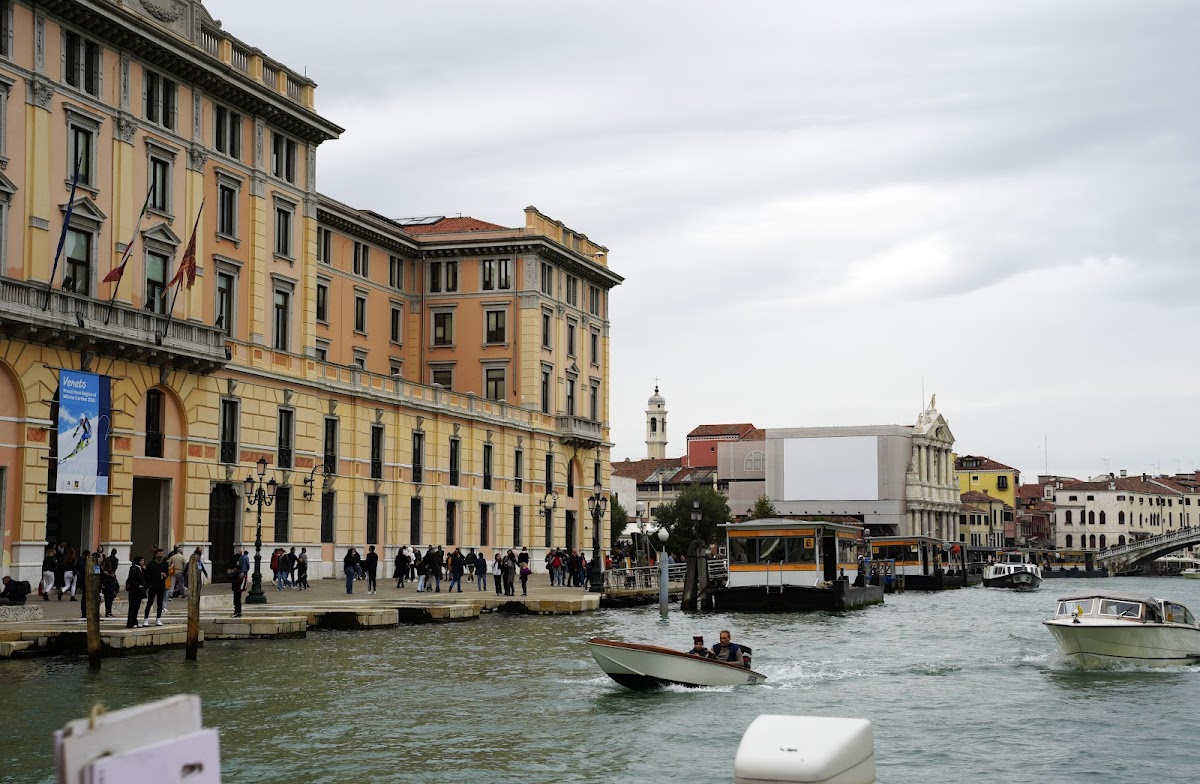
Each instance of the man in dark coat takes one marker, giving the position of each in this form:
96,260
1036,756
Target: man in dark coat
135,586
156,586
372,567
14,592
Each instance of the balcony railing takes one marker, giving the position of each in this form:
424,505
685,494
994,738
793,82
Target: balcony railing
73,321
240,59
376,469
211,41
575,429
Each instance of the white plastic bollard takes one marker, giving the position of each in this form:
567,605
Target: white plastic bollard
808,749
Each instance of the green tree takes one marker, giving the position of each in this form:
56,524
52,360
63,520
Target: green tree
619,518
763,508
676,517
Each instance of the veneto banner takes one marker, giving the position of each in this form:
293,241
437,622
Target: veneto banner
84,417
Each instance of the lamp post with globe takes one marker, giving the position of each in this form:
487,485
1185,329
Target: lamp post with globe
258,495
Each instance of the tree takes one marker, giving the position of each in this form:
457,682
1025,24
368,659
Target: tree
619,518
763,508
676,517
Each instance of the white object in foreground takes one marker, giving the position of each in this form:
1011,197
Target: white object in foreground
809,749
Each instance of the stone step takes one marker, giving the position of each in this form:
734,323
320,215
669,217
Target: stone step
7,649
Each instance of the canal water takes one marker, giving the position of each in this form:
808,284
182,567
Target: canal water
961,686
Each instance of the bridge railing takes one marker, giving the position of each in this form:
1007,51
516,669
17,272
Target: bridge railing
1183,534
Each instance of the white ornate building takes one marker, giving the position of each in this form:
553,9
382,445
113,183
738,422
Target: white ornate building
931,490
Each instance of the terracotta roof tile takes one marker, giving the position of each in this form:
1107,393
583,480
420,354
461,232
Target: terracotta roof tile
757,434
640,470
701,431
985,464
454,226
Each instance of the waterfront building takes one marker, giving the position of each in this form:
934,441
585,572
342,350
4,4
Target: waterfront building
984,521
978,473
1112,510
424,381
1034,515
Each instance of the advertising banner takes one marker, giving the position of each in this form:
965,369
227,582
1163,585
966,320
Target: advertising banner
84,417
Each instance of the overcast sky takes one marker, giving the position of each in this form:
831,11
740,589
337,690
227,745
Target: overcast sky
824,212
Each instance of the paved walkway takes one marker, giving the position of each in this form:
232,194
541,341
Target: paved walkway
324,591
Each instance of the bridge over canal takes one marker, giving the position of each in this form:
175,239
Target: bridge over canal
1142,551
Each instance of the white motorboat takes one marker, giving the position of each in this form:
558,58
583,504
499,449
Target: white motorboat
649,666
1097,629
1192,573
1014,570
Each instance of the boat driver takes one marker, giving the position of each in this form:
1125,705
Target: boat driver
698,648
725,650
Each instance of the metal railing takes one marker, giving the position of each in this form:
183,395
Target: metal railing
645,578
1183,534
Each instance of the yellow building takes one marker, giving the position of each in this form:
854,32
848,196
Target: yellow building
977,474
431,381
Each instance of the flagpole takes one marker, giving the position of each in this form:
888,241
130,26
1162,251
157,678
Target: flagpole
180,273
125,256
62,238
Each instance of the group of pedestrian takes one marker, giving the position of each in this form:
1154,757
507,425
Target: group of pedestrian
289,569
62,570
567,567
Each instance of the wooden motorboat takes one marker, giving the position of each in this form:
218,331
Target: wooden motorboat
1098,629
649,666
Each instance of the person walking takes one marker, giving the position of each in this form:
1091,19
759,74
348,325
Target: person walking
156,587
178,572
433,569
201,569
372,568
68,574
237,583
109,588
420,567
457,567
481,572
293,560
302,569
48,568
348,568
135,586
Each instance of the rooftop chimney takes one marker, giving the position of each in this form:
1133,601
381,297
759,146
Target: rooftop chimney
1124,473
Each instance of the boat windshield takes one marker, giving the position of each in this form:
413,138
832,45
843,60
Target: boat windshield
1177,613
1121,609
1075,607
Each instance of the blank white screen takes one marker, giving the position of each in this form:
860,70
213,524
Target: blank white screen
833,469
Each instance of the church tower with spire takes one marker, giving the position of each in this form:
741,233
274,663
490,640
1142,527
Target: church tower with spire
656,426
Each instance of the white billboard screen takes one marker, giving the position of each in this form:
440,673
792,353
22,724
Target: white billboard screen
831,469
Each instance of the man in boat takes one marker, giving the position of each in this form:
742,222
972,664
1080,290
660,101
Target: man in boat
698,648
725,650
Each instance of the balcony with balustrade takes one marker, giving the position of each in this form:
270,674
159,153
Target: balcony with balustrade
62,319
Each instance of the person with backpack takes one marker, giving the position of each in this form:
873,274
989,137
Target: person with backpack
14,592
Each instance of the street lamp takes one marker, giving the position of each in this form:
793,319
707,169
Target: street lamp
258,495
549,504
597,504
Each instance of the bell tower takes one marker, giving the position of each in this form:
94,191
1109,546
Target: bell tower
656,426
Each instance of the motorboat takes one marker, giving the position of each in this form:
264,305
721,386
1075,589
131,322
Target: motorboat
1013,570
1192,573
1097,629
649,666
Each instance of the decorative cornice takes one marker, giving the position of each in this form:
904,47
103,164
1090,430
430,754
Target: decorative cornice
197,156
126,128
164,15
40,92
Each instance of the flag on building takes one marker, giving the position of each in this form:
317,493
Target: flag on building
187,265
62,238
119,270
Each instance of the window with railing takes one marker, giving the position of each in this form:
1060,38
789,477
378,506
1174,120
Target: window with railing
372,519
229,431
414,521
327,509
377,451
154,436
331,445
283,513
284,438
418,457
455,446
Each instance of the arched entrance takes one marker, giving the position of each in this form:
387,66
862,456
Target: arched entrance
222,520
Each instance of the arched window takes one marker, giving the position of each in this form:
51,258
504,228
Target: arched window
653,425
1121,519
1093,538
756,461
1068,541
1121,539
1067,519
1091,518
1103,543
1102,521
571,479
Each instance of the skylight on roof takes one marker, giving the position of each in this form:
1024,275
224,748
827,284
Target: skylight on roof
426,220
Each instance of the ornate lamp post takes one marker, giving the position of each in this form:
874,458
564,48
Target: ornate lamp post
597,503
258,495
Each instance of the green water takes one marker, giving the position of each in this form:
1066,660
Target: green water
961,686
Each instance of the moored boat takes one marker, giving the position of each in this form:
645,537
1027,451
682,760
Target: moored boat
1015,570
1191,574
1097,629
649,666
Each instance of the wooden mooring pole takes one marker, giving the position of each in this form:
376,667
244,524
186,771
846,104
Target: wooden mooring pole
193,626
91,598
